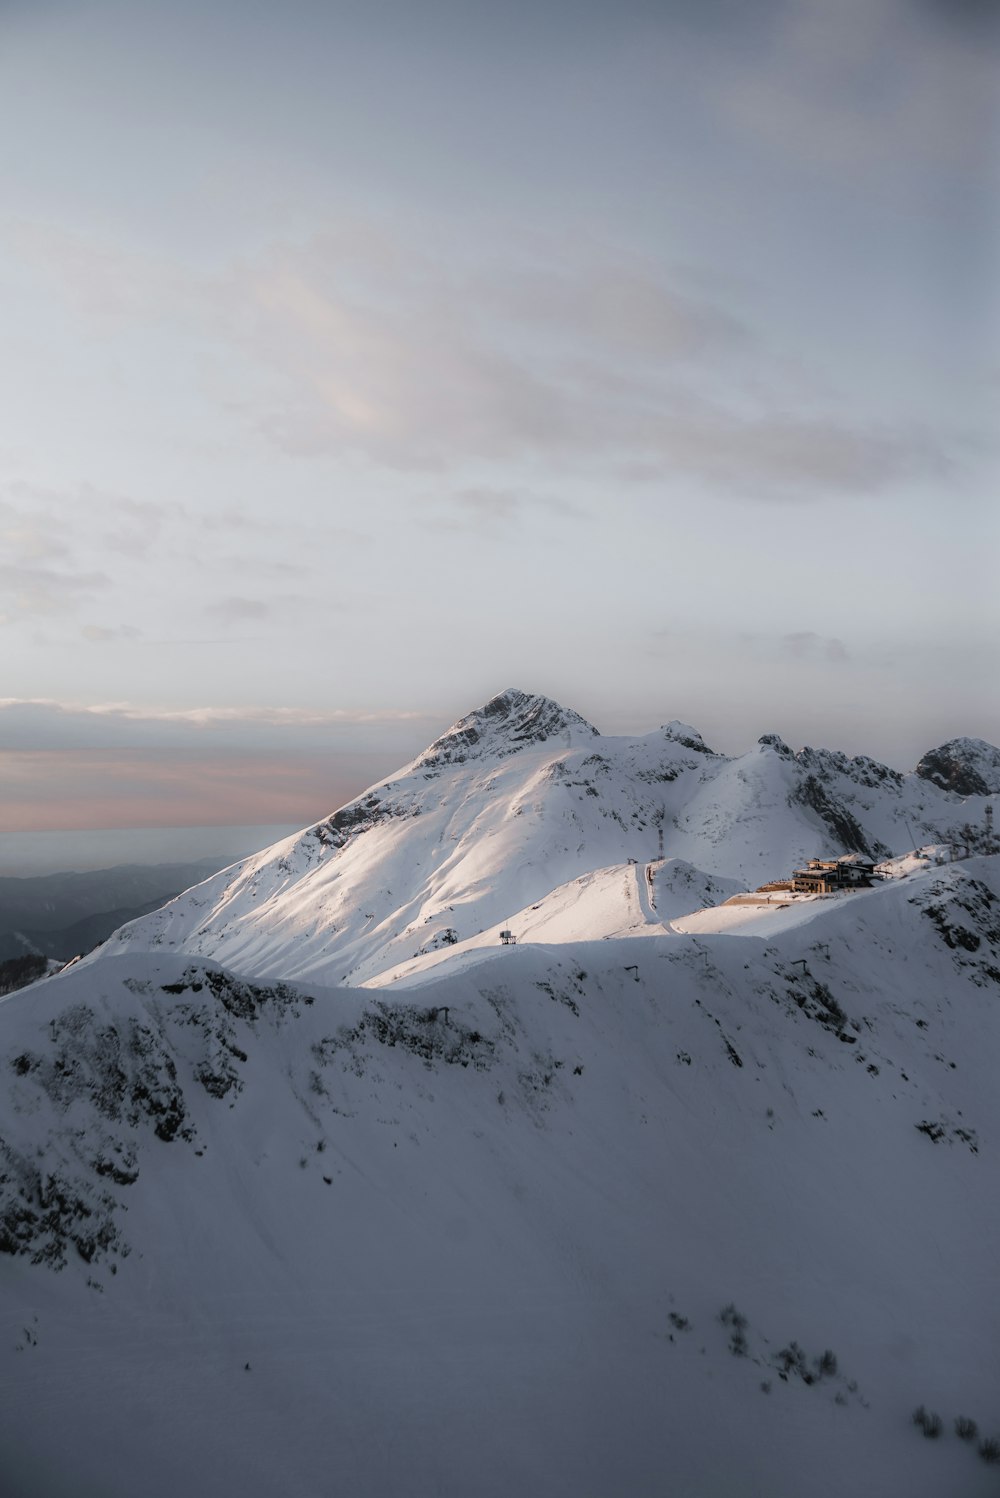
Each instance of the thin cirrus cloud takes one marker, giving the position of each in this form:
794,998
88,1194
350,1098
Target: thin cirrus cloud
45,591
411,394
617,307
43,528
807,644
39,521
237,610
45,724
491,511
578,368
864,86
785,456
417,367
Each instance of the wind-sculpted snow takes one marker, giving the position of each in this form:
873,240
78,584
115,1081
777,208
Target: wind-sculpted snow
561,1218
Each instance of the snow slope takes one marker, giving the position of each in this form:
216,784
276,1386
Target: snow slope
518,799
668,1198
625,900
474,1234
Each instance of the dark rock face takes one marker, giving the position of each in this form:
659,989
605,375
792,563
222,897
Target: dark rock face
969,767
965,913
121,1082
44,1213
843,826
357,817
776,742
859,768
511,721
967,920
124,1078
430,1034
688,737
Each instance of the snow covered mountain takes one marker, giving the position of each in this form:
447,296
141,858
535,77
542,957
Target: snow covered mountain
669,1198
969,767
516,800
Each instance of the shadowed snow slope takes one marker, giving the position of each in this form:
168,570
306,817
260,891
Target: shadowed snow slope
516,800
474,1234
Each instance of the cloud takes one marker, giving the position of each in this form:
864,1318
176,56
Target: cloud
868,86
231,520
58,542
418,363
98,634
46,591
235,610
808,645
628,307
413,388
792,456
28,539
496,510
42,723
595,364
131,527
977,22
108,285
39,522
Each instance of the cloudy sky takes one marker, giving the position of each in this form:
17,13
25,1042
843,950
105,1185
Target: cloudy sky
362,359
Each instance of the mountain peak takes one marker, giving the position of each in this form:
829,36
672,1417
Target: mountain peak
511,721
776,742
969,767
683,733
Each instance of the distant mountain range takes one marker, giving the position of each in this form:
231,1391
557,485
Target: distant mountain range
64,915
471,1142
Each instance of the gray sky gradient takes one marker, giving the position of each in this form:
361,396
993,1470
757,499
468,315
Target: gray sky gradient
372,358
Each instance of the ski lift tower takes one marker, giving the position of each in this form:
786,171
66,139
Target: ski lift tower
507,937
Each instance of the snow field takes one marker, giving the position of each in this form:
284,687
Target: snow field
480,1299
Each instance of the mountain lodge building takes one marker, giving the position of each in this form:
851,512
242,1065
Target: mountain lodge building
827,876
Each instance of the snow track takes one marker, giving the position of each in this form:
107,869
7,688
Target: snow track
644,889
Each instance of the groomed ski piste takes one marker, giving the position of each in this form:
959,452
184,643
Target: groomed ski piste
667,1197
